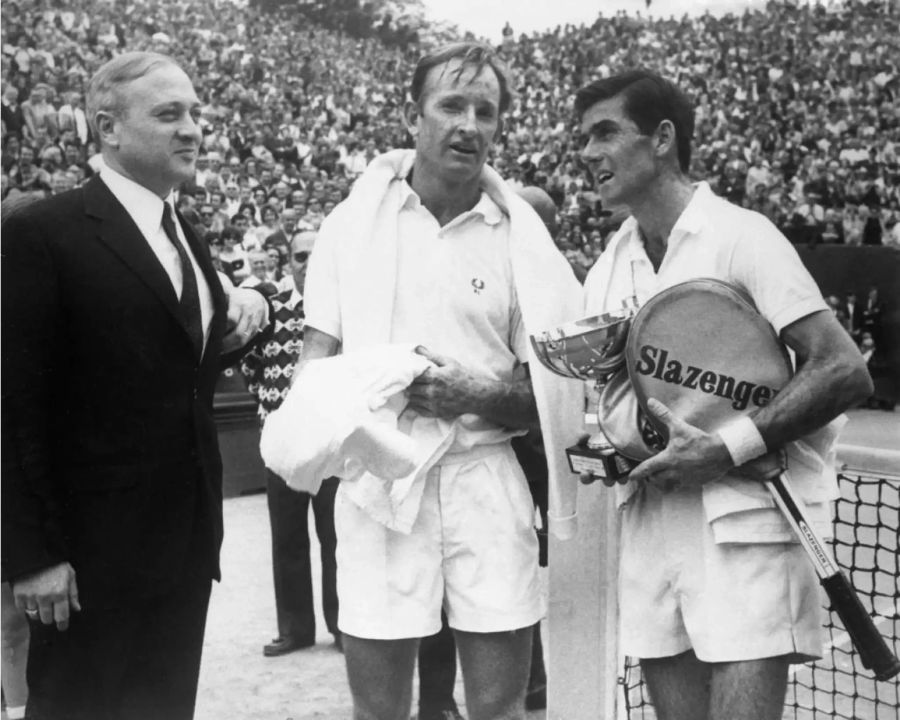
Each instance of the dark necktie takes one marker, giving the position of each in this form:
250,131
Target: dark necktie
190,297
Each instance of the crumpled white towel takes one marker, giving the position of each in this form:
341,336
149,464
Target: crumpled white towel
340,419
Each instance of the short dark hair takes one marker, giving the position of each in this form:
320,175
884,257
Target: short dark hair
649,99
471,54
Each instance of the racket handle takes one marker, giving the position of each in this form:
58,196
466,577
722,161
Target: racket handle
871,646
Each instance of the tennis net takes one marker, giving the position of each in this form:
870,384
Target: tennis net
866,531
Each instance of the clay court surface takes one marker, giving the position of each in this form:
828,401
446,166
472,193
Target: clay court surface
236,681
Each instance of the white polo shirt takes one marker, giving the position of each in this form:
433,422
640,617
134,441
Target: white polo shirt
716,239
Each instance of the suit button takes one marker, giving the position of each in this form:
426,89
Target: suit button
196,393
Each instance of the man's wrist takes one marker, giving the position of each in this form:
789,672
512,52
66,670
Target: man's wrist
743,440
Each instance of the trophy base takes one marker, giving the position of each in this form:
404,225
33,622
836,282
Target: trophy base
603,463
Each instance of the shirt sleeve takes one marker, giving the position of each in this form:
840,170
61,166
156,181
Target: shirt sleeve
768,266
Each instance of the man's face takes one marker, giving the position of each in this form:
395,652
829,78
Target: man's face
289,221
620,157
299,263
242,224
206,214
258,262
154,140
456,120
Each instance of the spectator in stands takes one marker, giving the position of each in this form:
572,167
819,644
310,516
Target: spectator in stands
884,392
281,238
12,115
71,117
39,114
872,230
872,314
268,369
233,256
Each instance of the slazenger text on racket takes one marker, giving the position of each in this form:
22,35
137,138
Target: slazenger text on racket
656,363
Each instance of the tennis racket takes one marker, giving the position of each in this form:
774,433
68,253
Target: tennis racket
702,349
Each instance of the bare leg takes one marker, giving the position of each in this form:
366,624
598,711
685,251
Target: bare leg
684,688
380,674
495,668
15,650
679,686
749,690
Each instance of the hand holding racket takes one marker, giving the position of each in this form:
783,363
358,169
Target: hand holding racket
702,349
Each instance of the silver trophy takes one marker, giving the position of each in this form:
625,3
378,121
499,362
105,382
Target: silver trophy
590,349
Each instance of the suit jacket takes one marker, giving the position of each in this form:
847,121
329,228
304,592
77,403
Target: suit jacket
114,462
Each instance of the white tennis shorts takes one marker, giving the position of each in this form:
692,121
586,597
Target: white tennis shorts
728,602
472,550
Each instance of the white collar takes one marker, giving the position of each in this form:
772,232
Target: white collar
690,222
144,206
489,211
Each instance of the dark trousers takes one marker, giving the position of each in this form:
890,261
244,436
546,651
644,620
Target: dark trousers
291,565
139,662
437,671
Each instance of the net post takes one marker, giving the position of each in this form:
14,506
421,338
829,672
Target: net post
584,661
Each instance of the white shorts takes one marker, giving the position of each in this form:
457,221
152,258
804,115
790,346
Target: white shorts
473,550
727,602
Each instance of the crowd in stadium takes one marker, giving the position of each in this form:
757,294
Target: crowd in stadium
798,110
797,117
803,126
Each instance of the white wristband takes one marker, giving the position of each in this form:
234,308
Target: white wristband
743,440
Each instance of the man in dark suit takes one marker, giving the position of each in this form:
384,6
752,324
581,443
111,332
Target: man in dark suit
114,322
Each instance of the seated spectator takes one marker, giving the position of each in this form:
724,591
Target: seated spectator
233,256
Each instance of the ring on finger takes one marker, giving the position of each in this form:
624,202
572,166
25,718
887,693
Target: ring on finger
31,612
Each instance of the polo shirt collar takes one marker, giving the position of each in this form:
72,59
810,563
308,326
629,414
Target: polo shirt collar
489,211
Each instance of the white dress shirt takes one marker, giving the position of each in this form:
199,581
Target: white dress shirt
146,209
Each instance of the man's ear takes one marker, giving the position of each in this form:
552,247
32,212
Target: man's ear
106,129
665,138
411,117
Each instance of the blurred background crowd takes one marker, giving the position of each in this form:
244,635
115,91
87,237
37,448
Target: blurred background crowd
798,110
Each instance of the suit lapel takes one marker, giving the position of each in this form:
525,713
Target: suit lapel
119,233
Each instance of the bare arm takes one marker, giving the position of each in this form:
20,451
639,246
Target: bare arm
831,377
316,345
450,390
